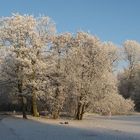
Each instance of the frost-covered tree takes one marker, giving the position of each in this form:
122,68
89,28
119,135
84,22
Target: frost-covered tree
25,36
90,76
129,78
56,73
132,58
131,53
67,72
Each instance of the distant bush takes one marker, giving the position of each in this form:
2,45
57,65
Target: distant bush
114,104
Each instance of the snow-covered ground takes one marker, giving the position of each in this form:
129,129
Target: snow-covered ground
91,128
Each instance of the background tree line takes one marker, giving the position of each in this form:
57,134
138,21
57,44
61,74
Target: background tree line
64,73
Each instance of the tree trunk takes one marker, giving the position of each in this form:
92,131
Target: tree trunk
56,115
56,109
80,111
78,114
24,104
34,105
23,99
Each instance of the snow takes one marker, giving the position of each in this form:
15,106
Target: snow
91,128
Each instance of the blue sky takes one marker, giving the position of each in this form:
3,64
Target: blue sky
110,20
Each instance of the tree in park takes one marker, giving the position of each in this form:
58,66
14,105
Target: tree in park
129,77
85,63
25,37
